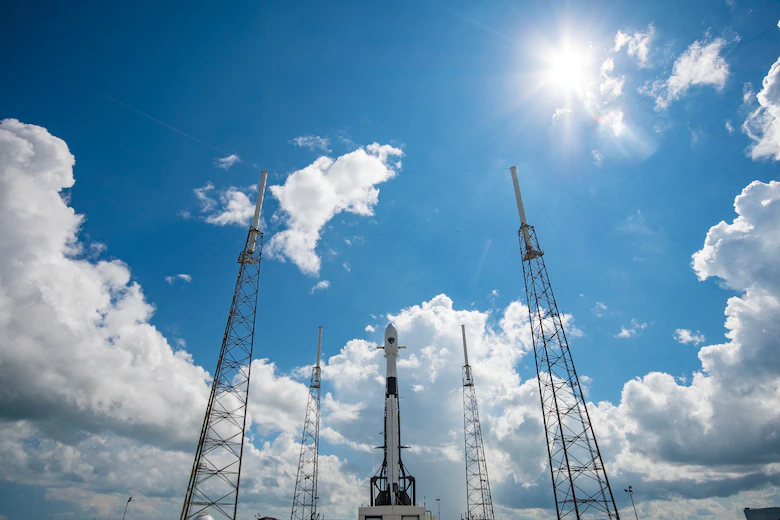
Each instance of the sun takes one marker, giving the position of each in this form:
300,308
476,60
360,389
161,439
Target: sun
567,69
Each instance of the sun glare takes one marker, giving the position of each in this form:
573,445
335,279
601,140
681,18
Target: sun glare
567,70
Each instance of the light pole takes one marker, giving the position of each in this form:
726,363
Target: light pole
438,508
630,492
127,504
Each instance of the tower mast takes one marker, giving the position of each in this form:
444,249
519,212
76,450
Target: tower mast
478,498
579,479
216,471
305,498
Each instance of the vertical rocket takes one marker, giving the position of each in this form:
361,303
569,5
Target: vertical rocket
392,486
392,417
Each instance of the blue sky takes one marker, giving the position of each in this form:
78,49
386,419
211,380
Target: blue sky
625,121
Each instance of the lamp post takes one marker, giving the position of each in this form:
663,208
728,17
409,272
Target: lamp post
438,508
127,504
630,492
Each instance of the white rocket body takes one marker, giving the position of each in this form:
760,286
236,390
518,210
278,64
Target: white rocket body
392,428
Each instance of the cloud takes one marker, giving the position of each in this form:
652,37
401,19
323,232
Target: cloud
611,87
310,197
599,309
637,45
312,142
347,267
686,336
226,162
636,327
763,124
186,277
560,113
729,126
101,402
597,156
98,361
691,439
320,286
90,430
370,328
234,206
700,64
614,121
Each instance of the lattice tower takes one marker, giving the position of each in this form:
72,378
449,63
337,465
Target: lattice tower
579,479
478,498
216,472
305,499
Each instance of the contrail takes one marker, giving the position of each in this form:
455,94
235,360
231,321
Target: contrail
147,116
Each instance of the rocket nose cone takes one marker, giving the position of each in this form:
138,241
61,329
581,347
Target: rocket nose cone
391,336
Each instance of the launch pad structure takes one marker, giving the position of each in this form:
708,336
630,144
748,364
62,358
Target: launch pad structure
305,497
479,501
580,483
579,479
216,471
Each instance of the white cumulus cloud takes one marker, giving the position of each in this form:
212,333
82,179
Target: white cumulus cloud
637,44
700,64
687,336
763,124
560,113
186,277
232,206
630,332
320,286
226,162
310,197
312,142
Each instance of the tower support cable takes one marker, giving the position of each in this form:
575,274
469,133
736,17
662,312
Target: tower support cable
579,479
305,498
478,497
216,471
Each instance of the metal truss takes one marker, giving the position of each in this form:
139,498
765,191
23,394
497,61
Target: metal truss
579,479
216,471
478,498
305,499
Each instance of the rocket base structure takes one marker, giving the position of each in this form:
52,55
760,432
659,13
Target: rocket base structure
579,479
305,498
214,482
393,489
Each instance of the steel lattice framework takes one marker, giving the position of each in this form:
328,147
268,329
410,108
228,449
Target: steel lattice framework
478,498
216,471
579,479
305,499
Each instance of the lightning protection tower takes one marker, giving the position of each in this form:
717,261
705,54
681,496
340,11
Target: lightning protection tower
580,482
305,499
478,498
216,471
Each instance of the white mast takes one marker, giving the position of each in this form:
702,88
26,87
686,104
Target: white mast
319,347
521,210
258,209
465,351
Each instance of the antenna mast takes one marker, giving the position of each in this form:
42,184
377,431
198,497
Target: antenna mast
580,482
478,498
216,471
305,498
